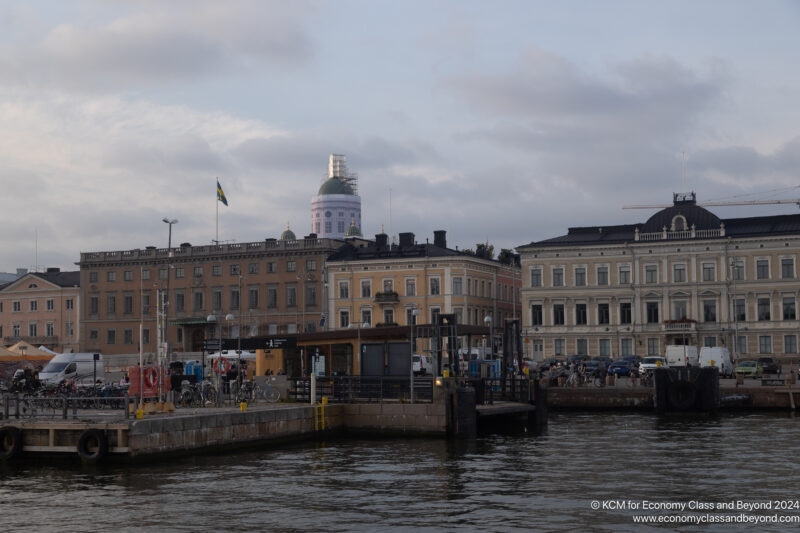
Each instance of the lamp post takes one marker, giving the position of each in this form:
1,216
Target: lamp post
488,322
212,319
229,318
170,222
302,277
414,315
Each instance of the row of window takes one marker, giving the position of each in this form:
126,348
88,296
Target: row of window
198,300
679,312
198,271
33,329
654,345
33,305
651,274
474,287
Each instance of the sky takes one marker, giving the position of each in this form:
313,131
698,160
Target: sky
504,122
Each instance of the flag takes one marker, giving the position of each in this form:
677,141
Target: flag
221,194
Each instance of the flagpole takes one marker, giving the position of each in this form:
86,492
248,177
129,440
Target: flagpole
217,241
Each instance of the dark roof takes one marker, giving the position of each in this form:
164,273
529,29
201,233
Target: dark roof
62,279
374,250
700,217
695,215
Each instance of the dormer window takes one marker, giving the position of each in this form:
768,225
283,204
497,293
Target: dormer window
33,286
679,223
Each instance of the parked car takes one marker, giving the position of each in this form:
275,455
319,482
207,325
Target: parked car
606,360
577,359
550,363
632,359
622,368
649,364
768,365
749,369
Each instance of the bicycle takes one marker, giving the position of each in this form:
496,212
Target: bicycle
266,392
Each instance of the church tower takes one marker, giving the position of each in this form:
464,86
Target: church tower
337,206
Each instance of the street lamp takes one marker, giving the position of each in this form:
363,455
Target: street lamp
414,315
229,318
212,319
170,222
488,322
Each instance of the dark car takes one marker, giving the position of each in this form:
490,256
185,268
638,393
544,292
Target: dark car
577,359
634,360
622,368
606,360
769,365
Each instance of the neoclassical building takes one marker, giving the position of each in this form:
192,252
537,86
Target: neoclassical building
269,287
336,210
42,308
379,283
684,276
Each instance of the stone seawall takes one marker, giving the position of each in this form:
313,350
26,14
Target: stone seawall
420,418
225,429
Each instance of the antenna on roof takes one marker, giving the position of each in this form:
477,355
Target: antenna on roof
683,170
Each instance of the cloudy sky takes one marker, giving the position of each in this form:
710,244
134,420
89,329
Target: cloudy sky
502,121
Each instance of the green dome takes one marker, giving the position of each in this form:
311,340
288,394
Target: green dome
335,186
288,235
353,231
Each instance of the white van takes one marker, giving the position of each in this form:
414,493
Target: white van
682,356
721,358
83,367
423,364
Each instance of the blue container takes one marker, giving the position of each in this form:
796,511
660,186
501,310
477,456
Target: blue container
194,368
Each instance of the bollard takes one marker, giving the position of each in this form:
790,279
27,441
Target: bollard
243,406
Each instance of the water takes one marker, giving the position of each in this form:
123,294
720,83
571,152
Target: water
517,482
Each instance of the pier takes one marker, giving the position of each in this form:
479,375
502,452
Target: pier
95,435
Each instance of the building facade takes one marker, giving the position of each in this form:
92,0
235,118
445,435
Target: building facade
382,284
683,277
336,210
265,288
42,308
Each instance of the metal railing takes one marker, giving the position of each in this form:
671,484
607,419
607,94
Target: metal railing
28,406
363,389
510,389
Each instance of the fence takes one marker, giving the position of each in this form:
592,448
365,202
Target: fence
27,406
349,389
511,389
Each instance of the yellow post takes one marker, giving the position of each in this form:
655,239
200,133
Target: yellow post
243,406
322,410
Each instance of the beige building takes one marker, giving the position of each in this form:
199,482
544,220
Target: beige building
42,308
381,284
269,287
682,277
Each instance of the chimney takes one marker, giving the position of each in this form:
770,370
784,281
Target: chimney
381,240
440,238
406,240
53,270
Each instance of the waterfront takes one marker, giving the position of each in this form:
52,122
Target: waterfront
515,482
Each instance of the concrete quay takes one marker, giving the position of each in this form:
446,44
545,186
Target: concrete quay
627,395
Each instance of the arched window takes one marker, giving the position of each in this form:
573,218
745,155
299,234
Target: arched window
679,223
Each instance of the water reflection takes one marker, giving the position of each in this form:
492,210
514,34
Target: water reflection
496,482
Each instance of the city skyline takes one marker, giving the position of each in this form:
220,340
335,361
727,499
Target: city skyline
501,125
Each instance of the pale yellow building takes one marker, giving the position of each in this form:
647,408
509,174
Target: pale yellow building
382,284
682,277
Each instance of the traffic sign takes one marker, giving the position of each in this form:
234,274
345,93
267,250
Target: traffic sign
211,345
274,344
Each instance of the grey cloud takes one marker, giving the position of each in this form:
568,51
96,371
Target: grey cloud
162,43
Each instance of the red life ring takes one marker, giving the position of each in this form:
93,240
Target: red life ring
222,367
151,377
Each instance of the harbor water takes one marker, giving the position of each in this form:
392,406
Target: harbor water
496,482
